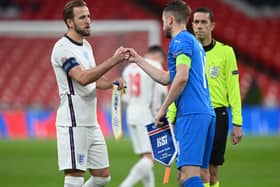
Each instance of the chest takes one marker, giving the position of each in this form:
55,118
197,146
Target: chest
85,58
215,65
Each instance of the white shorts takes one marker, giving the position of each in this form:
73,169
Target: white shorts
140,139
81,148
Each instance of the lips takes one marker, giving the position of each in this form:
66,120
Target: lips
199,32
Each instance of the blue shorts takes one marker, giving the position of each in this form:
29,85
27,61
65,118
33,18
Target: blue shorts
194,137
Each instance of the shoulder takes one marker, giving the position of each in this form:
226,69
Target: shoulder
62,49
185,36
87,44
223,46
61,44
224,50
184,41
59,47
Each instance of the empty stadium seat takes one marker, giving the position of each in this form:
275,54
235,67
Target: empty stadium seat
27,78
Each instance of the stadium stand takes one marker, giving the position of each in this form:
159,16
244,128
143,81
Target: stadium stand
26,75
27,79
247,34
263,2
111,9
255,40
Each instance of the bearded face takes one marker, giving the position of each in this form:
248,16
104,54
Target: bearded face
167,32
83,31
166,25
80,23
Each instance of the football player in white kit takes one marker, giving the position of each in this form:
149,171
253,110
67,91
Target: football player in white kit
80,142
144,97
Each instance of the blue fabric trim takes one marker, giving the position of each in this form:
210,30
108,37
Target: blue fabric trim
70,85
72,148
179,53
193,182
72,113
69,64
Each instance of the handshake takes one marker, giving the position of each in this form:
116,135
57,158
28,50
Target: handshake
126,54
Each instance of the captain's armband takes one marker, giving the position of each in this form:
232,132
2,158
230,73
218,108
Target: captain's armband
69,64
183,59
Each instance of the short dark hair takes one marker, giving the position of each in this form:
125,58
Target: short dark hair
156,49
68,9
206,10
180,10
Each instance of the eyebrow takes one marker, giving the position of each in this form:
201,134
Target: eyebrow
200,20
83,16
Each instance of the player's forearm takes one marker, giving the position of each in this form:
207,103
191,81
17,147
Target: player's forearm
93,74
176,88
104,83
173,94
157,75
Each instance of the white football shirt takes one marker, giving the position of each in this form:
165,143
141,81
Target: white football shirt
144,96
77,103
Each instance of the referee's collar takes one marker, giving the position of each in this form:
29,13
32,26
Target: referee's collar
73,41
210,46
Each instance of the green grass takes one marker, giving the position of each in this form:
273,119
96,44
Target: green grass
253,163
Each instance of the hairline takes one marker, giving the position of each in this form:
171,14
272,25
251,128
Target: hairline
205,11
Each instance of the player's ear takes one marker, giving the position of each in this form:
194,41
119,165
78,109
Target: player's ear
213,24
170,19
70,23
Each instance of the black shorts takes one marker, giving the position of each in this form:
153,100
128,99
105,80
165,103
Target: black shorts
220,138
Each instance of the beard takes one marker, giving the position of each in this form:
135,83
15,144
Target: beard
167,32
82,32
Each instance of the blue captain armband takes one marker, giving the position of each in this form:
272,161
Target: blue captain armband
69,64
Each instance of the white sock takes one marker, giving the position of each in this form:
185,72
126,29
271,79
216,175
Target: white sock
70,181
138,172
149,179
97,181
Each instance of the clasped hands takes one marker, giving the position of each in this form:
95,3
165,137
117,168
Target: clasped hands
126,54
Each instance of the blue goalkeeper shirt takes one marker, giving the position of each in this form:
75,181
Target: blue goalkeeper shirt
195,97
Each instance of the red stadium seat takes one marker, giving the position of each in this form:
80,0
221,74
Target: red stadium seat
27,76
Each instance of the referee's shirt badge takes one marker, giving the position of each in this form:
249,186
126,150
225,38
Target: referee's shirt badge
214,71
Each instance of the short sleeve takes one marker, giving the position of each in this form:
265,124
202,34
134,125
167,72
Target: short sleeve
64,58
183,46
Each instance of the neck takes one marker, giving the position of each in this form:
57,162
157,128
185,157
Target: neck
75,36
177,29
206,41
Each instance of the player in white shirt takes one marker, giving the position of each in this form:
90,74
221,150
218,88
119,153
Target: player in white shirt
144,97
80,142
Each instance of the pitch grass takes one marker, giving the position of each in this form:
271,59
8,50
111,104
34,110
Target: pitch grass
253,163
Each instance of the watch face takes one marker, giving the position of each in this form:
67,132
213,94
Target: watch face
214,71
